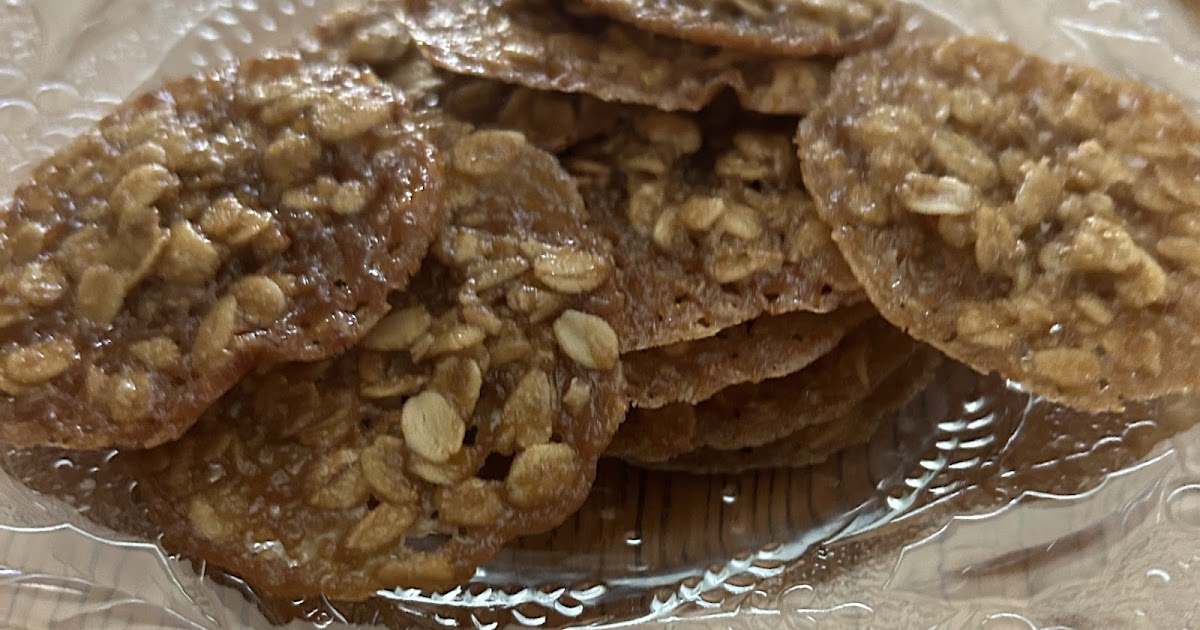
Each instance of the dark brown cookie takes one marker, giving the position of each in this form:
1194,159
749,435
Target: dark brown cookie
257,214
472,414
767,347
1034,219
540,44
771,27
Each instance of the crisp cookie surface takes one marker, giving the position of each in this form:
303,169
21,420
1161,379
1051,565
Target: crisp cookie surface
766,347
372,34
540,44
754,414
253,215
1029,218
817,443
711,224
771,27
473,413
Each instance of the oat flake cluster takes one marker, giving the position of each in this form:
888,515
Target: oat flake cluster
410,279
711,220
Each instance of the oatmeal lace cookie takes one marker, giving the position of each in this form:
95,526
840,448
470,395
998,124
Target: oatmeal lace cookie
1030,218
541,44
257,214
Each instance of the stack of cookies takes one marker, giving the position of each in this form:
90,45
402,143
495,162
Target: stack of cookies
676,123
361,312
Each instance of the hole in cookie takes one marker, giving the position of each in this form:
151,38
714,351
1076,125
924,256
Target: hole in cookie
556,438
826,289
432,542
469,436
372,503
495,467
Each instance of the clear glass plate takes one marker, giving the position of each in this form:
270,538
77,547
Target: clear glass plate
977,507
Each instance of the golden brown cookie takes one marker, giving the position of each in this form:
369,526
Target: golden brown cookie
754,414
767,347
1034,219
711,224
256,214
814,444
540,44
371,33
472,414
770,27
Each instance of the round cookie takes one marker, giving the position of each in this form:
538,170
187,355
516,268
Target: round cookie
753,414
542,45
770,27
815,444
767,347
257,214
470,415
1029,218
710,221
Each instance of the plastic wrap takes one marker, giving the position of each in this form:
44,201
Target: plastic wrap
979,508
